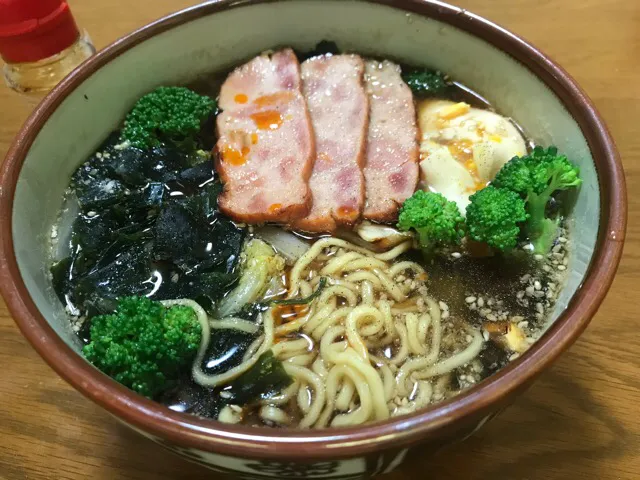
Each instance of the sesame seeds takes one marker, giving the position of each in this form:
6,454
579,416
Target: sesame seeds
122,146
534,301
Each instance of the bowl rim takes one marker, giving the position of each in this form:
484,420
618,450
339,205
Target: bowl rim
189,431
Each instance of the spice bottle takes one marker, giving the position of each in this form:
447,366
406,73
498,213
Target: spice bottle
40,44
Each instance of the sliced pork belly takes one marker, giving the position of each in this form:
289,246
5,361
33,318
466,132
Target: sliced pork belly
338,104
264,75
391,172
265,149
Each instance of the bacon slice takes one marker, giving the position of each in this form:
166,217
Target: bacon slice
265,149
339,107
391,172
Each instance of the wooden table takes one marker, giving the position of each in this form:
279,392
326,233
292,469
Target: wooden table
580,420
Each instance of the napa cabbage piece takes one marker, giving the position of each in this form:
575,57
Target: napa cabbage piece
286,244
261,266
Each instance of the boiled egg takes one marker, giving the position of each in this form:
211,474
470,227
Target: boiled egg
463,148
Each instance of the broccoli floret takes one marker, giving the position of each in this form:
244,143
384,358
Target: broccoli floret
536,177
437,220
425,82
168,114
144,345
494,217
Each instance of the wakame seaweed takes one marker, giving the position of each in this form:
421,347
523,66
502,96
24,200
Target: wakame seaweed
304,300
226,350
266,377
148,225
426,82
323,47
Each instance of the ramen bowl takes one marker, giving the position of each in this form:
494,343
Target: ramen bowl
516,78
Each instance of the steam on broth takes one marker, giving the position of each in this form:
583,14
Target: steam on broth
312,240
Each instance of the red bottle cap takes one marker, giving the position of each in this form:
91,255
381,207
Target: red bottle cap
31,30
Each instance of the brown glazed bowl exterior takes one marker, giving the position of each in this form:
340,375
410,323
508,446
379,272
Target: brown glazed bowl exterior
330,453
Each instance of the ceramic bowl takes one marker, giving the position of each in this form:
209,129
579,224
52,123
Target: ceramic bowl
73,120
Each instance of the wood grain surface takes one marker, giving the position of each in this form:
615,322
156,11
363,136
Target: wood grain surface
579,421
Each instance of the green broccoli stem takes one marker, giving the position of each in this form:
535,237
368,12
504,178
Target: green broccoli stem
546,236
425,239
542,231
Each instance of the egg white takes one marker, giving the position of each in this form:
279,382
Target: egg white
463,148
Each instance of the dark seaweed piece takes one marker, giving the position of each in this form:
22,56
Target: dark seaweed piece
228,238
92,233
149,225
305,300
130,165
85,332
193,180
205,203
251,311
212,285
226,350
426,82
322,48
187,232
176,234
129,272
266,377
191,398
166,162
196,177
72,267
153,194
99,193
205,288
207,137
123,241
189,250
137,167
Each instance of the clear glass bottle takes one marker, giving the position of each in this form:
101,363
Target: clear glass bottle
36,79
40,44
